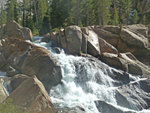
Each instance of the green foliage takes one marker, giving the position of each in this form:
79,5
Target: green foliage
115,20
59,13
135,17
75,12
8,107
55,30
3,16
103,11
89,13
43,16
145,20
125,8
12,10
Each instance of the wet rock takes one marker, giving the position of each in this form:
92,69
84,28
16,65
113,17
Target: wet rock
105,107
3,93
14,30
76,109
57,50
32,97
2,61
99,71
135,95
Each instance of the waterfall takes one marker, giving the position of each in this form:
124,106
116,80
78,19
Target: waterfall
84,82
78,90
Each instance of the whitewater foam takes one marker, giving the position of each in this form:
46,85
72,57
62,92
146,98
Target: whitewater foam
78,90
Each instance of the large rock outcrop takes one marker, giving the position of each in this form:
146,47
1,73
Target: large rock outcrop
108,43
14,30
139,29
126,62
32,97
30,59
131,38
135,95
75,40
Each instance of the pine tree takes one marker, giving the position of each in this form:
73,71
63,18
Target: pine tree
59,13
3,16
42,9
115,20
144,21
142,6
75,13
45,25
10,10
102,11
135,17
125,8
16,11
89,17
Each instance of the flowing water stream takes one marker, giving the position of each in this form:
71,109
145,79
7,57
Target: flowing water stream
83,83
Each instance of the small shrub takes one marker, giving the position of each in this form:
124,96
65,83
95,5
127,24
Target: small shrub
8,107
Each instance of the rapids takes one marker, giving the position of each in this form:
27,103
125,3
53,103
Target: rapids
84,82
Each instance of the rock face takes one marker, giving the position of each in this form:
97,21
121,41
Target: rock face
76,109
126,62
132,38
121,47
16,81
135,95
32,97
95,40
3,94
14,30
73,39
31,60
108,43
105,107
139,28
93,44
106,47
83,76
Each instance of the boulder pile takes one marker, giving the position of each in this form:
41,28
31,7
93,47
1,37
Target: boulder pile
33,70
122,47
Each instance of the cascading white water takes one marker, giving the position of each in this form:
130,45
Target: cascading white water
77,90
71,94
